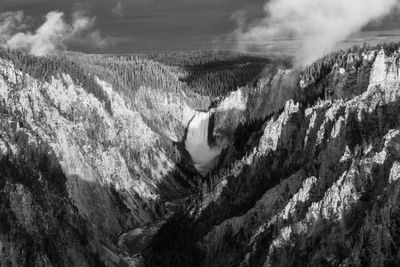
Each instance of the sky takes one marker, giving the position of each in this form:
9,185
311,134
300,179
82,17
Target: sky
132,26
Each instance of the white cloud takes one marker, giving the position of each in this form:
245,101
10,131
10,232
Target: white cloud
317,25
54,34
47,37
97,41
10,22
117,10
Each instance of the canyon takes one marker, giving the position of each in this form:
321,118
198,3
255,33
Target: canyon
292,168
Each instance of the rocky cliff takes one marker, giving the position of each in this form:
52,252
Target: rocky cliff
317,184
75,174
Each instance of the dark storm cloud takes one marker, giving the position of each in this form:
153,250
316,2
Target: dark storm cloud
149,25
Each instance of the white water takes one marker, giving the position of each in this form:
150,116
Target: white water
203,156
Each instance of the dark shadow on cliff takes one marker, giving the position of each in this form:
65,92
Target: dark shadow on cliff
356,135
56,230
242,192
72,221
183,251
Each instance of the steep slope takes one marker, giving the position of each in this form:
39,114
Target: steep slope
76,173
317,185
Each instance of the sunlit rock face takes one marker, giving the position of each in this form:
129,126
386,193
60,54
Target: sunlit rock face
168,113
319,187
248,104
74,175
343,166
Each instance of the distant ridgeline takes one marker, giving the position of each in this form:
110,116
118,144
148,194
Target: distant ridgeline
207,73
211,73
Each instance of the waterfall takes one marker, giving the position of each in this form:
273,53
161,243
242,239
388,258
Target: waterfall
203,156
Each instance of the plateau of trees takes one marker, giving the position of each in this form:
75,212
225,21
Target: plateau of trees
206,73
210,73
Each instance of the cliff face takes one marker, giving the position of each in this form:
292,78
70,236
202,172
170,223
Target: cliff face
74,175
318,185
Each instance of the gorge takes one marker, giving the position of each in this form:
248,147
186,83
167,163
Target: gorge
147,160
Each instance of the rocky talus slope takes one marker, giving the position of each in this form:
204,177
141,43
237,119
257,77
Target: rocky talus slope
74,175
318,184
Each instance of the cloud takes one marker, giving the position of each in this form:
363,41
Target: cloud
117,10
47,37
96,40
10,22
316,26
54,34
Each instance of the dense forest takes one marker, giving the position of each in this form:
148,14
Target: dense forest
214,73
208,73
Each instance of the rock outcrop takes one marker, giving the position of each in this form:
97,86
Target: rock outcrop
74,175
